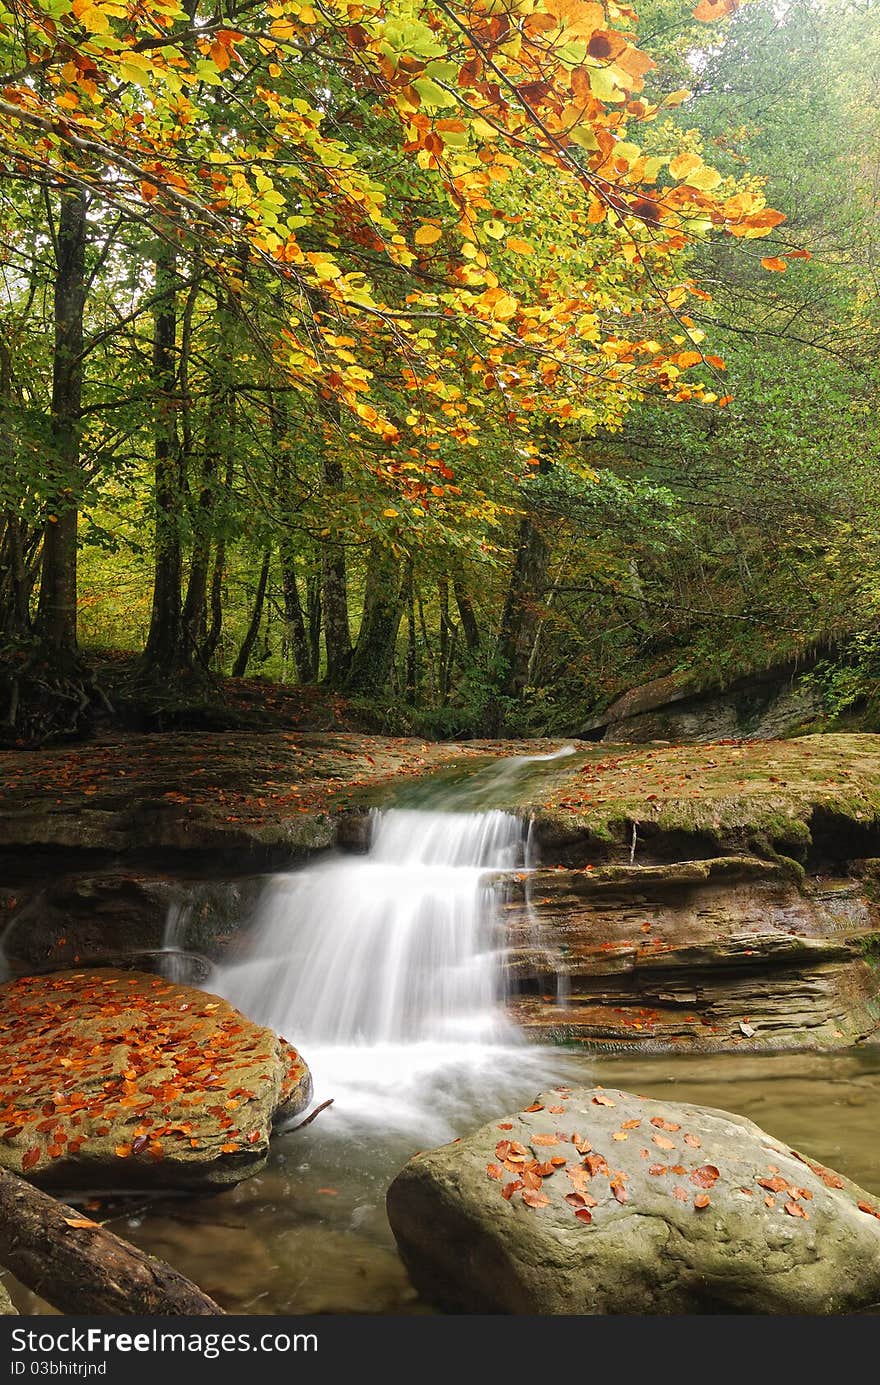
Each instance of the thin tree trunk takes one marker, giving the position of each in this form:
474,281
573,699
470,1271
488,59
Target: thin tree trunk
56,611
315,614
218,444
212,638
429,653
14,585
163,647
519,619
412,656
337,631
297,635
239,668
445,640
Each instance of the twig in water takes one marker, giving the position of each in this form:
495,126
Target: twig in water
308,1120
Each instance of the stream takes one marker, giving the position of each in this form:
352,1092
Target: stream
386,970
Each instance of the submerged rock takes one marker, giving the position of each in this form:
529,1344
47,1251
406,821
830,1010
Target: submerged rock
117,1079
600,1202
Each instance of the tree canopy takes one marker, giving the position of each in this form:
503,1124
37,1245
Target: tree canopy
424,349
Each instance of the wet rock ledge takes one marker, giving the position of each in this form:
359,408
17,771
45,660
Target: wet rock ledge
730,952
118,1079
702,895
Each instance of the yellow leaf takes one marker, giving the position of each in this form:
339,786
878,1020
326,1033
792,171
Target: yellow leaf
427,235
390,514
519,247
705,179
683,164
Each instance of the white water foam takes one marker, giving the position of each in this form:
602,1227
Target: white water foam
387,970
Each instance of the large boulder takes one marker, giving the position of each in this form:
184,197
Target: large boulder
118,1078
597,1201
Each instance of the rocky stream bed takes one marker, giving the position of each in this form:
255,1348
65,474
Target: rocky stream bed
711,904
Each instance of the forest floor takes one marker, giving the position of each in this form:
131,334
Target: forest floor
210,702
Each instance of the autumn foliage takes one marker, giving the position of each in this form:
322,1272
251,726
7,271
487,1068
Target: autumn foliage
427,302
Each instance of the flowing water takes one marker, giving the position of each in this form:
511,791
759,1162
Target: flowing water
385,969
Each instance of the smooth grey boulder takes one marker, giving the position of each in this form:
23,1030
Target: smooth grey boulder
597,1201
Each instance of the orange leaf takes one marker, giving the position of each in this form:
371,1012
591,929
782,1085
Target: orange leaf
794,1209
709,10
701,1201
774,263
706,1176
532,1198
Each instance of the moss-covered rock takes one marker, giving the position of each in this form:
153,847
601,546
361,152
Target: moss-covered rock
115,1078
597,1201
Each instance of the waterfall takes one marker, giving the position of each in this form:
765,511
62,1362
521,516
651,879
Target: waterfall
397,946
387,969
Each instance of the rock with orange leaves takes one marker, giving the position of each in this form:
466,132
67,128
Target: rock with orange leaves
673,1209
112,1078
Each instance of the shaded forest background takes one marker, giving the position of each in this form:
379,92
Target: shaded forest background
225,525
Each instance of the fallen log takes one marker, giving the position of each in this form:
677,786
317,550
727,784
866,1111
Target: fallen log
78,1267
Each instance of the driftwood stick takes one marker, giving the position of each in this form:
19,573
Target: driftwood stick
311,1116
78,1267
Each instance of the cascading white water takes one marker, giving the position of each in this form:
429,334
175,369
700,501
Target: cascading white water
393,947
386,969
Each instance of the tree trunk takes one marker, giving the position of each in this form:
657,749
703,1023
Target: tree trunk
446,630
56,611
14,585
218,443
412,656
337,631
215,629
521,615
384,600
162,653
315,614
81,1268
297,635
468,619
239,668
